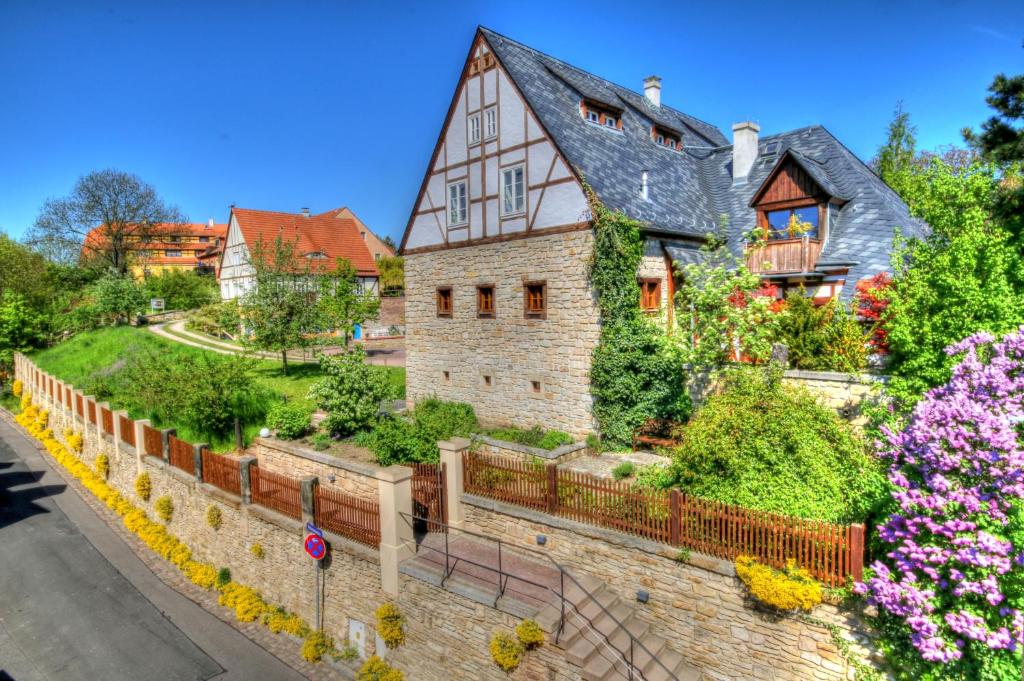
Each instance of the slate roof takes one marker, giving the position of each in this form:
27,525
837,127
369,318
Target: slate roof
688,191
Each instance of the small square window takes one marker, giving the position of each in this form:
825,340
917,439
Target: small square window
444,301
172,254
593,116
485,301
535,294
488,381
535,386
650,295
446,376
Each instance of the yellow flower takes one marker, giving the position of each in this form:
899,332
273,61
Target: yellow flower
791,588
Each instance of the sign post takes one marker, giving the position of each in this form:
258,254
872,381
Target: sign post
317,549
156,304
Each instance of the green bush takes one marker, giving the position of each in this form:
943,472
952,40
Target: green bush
223,578
623,470
290,420
532,437
321,441
217,319
822,338
768,446
414,440
182,289
350,391
164,507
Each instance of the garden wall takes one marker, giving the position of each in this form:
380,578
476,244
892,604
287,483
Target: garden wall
297,461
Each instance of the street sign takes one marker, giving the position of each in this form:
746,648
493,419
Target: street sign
315,546
310,527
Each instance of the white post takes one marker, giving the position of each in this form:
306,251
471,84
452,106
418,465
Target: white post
396,535
451,459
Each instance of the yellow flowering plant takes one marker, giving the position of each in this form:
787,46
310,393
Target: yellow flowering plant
791,588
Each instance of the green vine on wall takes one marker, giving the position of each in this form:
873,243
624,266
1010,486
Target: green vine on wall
634,374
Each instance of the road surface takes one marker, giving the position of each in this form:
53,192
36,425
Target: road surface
76,604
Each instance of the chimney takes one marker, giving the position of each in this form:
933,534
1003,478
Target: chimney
209,225
744,149
652,90
305,212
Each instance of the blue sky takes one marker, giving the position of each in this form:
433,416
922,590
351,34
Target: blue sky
280,105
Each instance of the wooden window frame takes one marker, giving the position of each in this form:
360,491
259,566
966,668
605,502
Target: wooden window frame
793,204
464,206
535,314
481,313
169,251
668,139
490,112
603,115
520,210
644,282
479,128
441,312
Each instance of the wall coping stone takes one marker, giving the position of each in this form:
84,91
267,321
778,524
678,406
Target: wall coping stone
180,475
700,560
275,518
534,451
352,547
835,376
226,498
367,470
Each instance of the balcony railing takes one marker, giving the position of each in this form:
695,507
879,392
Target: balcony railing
783,256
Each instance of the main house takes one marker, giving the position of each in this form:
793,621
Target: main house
321,239
186,246
500,311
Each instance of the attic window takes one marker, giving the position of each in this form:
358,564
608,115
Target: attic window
316,255
664,137
599,114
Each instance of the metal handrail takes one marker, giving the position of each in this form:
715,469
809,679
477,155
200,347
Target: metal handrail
563,573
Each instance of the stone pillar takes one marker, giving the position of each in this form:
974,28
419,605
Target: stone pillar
246,462
451,459
197,453
396,536
307,490
140,443
165,443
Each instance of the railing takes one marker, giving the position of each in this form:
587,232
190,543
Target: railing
352,517
275,491
829,551
127,430
108,420
783,255
428,494
152,442
181,454
628,656
222,472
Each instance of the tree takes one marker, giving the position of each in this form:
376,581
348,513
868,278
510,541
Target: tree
899,152
1001,140
123,209
23,271
280,312
117,299
390,243
182,289
342,302
350,391
21,327
392,275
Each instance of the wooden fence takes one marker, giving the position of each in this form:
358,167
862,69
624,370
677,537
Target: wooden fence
428,482
181,454
80,404
352,517
222,471
107,417
92,413
276,491
830,552
127,430
152,442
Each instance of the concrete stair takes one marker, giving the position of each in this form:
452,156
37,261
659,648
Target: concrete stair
595,638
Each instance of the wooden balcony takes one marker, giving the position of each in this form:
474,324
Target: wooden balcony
783,256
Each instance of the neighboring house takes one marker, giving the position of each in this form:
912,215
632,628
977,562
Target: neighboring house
187,246
321,239
499,309
378,249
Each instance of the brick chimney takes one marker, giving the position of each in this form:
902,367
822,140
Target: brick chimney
652,90
744,149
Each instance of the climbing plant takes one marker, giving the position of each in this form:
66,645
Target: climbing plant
634,374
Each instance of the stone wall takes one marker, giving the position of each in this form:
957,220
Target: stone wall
697,604
518,452
512,350
846,393
297,461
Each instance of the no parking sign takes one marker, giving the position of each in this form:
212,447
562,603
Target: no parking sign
314,544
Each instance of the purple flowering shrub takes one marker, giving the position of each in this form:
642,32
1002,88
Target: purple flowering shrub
950,589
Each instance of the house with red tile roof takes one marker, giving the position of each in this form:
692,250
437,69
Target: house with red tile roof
186,246
321,239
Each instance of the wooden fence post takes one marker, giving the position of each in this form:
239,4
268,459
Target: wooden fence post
857,551
675,520
165,443
197,457
245,463
553,489
307,495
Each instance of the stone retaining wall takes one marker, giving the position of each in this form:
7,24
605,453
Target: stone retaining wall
297,461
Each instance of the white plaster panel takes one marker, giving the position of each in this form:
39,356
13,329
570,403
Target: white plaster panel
424,232
540,161
460,234
455,137
474,180
516,225
561,170
473,93
510,114
514,156
563,204
492,217
533,130
476,220
490,87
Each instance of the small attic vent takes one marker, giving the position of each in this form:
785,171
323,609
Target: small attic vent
316,255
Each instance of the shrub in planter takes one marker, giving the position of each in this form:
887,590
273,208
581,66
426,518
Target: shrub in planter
529,634
389,625
376,669
506,651
791,588
164,508
143,486
291,421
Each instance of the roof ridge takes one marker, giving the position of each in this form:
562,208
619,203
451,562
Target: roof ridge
593,75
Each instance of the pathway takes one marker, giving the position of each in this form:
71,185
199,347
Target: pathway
78,604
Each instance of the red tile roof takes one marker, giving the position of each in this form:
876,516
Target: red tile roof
324,233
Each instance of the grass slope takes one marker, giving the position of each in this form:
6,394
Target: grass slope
86,356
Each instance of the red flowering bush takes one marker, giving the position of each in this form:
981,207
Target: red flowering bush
871,307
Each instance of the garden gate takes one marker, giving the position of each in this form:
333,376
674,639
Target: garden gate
428,497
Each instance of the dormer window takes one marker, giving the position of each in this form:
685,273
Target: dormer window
602,115
792,223
666,138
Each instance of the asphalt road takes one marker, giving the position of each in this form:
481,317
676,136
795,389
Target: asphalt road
77,604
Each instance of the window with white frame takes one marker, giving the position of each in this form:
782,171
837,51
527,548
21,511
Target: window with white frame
491,122
457,213
474,128
513,194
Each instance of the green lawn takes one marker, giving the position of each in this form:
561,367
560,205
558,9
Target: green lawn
87,356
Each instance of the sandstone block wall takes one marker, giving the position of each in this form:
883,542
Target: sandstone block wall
846,393
512,350
297,461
